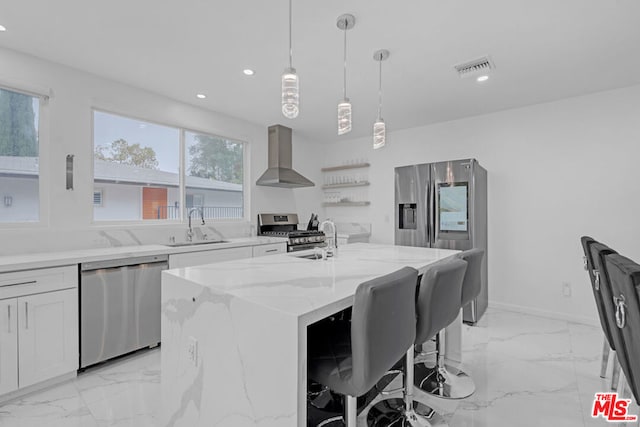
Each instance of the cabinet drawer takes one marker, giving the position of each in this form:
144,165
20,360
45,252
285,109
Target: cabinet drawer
272,249
29,282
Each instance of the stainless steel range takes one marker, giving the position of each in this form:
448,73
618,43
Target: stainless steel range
286,225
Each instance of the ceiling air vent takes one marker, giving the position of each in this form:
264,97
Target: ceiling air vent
478,66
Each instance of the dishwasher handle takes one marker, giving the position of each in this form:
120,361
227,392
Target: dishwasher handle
117,263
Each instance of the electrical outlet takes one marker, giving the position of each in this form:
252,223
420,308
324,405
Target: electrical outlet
192,351
566,289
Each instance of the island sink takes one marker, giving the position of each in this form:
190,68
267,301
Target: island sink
308,256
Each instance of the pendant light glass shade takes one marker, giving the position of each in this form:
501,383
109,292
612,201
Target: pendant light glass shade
345,22
379,134
344,116
379,127
290,84
290,93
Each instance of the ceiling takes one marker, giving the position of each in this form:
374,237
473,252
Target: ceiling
543,50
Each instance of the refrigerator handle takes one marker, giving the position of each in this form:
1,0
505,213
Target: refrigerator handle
434,215
431,231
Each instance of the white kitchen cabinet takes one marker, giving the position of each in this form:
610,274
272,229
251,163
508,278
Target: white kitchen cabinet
271,249
190,259
38,326
48,341
8,345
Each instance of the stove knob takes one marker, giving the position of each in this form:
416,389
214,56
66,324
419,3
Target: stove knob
295,241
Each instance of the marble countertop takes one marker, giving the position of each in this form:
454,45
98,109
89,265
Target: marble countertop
59,258
299,287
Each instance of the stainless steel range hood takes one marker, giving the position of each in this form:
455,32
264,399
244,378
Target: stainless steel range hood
280,173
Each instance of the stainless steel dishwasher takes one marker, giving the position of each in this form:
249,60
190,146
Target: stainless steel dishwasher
119,306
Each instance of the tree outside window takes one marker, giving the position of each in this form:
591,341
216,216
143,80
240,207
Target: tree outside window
218,162
19,157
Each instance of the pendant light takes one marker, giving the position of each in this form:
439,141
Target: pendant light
345,22
379,128
290,84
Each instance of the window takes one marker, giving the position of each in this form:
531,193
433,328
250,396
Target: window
136,164
214,169
137,172
19,157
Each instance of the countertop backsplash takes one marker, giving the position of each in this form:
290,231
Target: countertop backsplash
26,241
353,228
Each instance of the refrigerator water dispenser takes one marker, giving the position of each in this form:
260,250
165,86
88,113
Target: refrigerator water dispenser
408,216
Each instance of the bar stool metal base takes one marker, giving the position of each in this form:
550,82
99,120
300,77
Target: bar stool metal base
448,382
392,413
443,380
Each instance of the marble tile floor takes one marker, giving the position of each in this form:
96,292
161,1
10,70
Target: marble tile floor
529,371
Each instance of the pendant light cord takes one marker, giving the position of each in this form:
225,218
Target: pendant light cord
290,47
346,23
380,89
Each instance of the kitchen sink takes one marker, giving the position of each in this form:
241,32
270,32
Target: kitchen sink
199,242
312,256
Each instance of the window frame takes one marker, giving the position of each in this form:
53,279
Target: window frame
43,96
181,172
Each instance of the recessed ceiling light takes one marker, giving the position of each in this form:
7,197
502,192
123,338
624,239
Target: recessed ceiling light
248,72
2,28
201,96
481,79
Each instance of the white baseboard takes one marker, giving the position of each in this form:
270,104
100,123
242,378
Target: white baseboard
585,320
37,387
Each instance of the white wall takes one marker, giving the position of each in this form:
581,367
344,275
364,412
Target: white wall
69,130
119,201
23,193
557,171
218,198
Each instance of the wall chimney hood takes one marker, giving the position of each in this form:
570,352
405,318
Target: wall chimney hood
280,173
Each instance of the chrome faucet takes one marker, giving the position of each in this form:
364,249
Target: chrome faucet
331,237
190,231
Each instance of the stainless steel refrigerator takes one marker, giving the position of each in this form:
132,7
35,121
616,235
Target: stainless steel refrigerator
444,205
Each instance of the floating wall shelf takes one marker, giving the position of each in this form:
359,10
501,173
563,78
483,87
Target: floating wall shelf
347,204
339,168
352,184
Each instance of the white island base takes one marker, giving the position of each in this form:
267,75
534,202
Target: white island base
234,334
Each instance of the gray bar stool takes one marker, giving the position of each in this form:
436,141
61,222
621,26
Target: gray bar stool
444,380
350,358
437,305
594,276
624,281
602,292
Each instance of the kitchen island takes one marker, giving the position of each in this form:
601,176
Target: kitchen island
234,334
